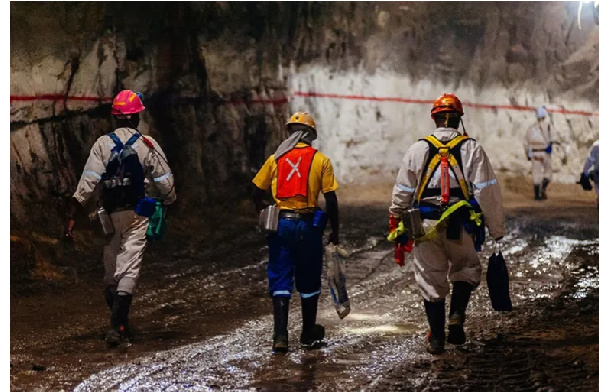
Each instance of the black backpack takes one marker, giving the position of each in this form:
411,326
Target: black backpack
123,179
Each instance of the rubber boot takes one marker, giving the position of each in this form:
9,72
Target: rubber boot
437,319
545,183
461,293
280,322
537,192
312,333
123,315
110,292
119,321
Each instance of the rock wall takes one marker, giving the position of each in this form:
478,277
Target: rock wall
217,78
384,63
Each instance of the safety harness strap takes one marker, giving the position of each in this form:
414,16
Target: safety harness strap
118,143
446,154
440,224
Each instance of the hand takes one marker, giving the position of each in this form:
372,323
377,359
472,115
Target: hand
68,229
393,223
334,238
399,256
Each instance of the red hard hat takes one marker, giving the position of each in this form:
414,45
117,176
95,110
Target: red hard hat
127,102
447,103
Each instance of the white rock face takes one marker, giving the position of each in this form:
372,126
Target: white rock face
366,139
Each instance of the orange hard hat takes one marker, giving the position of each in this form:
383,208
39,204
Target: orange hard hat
302,118
447,103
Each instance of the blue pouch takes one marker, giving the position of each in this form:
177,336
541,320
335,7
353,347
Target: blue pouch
146,207
320,219
548,149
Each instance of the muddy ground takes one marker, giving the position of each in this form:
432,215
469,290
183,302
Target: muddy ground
202,320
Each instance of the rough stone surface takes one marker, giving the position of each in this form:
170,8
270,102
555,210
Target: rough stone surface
216,77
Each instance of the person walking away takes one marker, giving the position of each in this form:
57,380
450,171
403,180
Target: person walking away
590,167
296,174
538,141
446,182
127,166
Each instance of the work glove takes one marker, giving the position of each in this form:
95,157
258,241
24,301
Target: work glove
70,220
584,181
393,223
402,245
334,238
68,230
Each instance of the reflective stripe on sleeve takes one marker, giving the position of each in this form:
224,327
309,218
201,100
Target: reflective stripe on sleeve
482,185
163,177
93,174
405,188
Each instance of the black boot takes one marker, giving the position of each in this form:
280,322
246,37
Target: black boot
545,183
537,192
280,318
119,321
110,292
461,293
437,319
312,333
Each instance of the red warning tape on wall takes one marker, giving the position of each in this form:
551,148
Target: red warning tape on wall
284,101
430,101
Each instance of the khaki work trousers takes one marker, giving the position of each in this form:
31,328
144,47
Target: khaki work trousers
541,167
440,258
123,255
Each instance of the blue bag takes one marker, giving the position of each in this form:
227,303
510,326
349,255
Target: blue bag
146,207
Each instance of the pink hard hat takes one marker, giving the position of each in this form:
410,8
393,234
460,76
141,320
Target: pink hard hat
127,102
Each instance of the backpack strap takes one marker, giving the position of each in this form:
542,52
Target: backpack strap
118,143
132,139
451,150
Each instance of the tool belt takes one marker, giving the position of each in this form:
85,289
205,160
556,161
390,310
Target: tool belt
451,220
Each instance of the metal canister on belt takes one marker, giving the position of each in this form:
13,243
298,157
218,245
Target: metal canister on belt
104,217
413,223
268,219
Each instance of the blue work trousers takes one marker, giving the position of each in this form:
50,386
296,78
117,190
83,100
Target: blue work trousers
295,251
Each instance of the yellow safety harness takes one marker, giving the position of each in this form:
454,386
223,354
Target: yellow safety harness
443,151
441,223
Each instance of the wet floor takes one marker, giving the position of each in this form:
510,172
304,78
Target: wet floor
209,328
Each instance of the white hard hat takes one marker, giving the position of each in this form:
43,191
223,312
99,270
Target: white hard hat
541,112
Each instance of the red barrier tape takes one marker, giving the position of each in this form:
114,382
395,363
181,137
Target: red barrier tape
57,97
284,101
430,101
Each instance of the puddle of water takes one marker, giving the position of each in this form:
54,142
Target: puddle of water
393,329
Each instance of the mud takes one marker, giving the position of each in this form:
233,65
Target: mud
202,320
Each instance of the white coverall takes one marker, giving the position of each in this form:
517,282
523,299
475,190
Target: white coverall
590,166
439,258
123,255
537,140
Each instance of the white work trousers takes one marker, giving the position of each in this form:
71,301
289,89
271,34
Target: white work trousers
541,167
439,259
123,255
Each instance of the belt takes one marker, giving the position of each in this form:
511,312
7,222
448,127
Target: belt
538,150
292,215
